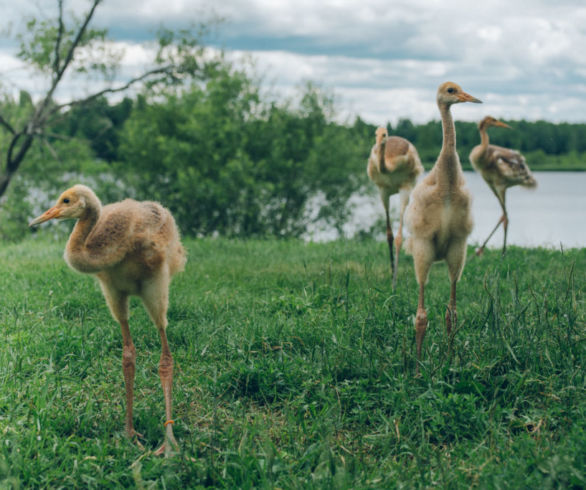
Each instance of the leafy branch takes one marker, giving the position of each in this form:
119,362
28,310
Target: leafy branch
52,47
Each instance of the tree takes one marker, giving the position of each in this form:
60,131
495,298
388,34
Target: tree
61,45
97,122
227,162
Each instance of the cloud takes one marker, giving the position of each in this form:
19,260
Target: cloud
384,59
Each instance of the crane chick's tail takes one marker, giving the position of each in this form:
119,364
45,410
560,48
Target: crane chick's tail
529,181
179,259
525,176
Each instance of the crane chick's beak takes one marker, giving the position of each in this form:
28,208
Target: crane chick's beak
502,125
464,97
46,216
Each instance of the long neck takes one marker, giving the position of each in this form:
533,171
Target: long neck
83,228
75,250
448,163
448,128
483,137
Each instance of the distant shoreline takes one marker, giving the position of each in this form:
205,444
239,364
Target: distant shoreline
468,168
538,169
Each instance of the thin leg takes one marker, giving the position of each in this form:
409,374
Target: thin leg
155,297
500,195
451,316
420,324
423,256
390,241
505,225
455,258
480,250
404,194
166,375
128,368
118,304
385,198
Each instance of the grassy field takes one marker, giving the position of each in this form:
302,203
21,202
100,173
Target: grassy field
295,369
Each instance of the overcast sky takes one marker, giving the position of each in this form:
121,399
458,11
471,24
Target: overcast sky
383,60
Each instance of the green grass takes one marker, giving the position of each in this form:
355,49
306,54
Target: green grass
294,368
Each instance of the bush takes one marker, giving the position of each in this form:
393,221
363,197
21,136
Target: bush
227,163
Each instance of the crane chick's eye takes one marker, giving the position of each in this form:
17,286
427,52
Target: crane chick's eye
451,90
66,201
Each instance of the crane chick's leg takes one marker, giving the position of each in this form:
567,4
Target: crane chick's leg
506,226
128,368
156,299
385,198
455,258
500,195
451,315
423,256
166,375
480,250
118,304
404,194
505,219
420,323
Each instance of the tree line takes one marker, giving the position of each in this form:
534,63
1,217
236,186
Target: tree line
546,145
226,161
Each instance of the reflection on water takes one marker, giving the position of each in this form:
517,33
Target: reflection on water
552,214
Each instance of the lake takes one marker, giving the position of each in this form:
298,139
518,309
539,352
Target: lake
552,215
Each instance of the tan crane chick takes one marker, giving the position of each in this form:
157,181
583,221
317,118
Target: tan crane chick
393,166
439,217
501,168
133,248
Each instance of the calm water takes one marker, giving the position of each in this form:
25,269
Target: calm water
552,214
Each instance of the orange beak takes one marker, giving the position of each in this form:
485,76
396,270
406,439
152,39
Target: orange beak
502,125
51,213
464,97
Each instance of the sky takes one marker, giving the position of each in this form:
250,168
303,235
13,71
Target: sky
382,60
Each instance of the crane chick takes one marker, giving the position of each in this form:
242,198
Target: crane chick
501,168
439,216
393,166
132,248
